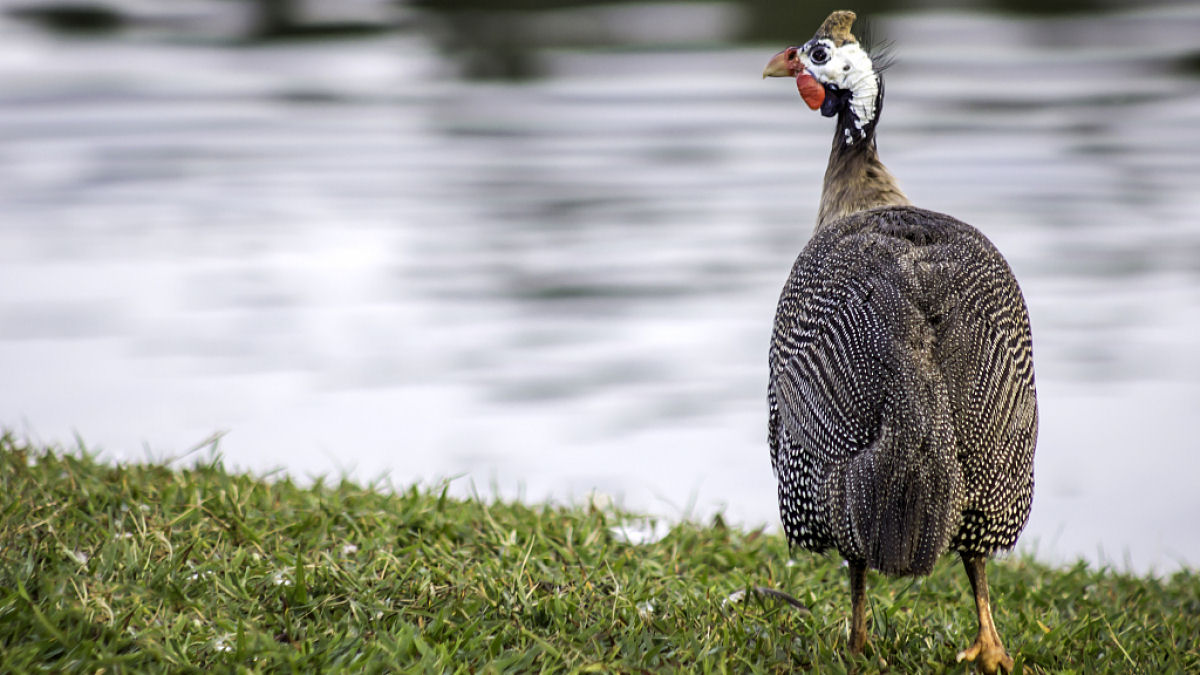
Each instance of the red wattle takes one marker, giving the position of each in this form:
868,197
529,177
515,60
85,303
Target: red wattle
810,90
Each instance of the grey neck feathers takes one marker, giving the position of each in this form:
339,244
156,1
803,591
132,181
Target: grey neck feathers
855,179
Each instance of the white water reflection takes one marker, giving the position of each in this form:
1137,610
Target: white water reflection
354,262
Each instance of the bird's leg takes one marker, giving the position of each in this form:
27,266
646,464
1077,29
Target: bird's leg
858,606
986,651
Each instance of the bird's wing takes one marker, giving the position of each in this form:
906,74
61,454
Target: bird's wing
831,359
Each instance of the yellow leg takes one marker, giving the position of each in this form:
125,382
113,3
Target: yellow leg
987,651
858,607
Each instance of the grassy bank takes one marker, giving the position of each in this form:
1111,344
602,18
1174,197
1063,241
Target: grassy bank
141,568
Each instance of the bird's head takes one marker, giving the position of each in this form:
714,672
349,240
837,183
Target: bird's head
834,75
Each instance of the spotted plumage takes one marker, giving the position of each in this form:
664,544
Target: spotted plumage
902,413
902,410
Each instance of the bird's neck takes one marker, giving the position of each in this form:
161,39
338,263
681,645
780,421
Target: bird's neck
855,179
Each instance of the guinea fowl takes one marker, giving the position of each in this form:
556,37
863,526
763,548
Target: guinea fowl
903,415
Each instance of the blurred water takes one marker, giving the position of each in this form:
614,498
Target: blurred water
357,256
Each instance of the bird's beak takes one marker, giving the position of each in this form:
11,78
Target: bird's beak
783,64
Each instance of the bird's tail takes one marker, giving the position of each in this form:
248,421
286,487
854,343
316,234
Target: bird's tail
901,498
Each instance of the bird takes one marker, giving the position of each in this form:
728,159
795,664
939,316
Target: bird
902,412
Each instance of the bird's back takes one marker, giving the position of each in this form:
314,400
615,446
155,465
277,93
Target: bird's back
902,407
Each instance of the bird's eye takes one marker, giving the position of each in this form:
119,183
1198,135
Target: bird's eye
819,55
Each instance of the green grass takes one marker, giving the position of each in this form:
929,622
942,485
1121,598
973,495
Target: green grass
147,568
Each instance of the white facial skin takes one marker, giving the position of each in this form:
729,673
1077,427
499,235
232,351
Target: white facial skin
847,67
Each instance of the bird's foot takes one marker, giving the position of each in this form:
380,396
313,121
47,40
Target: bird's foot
988,654
858,640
